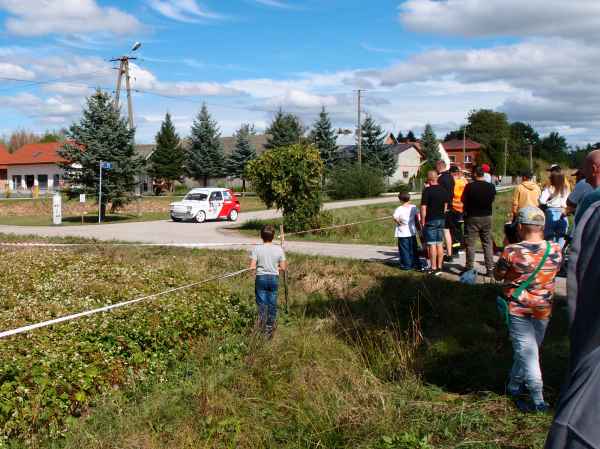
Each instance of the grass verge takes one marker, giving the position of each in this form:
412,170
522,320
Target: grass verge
369,357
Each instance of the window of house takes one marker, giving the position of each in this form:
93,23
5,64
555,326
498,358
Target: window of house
56,180
468,158
16,182
29,181
452,159
405,174
43,182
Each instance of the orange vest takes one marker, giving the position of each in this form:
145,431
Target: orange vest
459,188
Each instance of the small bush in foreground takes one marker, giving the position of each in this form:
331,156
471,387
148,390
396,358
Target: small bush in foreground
354,181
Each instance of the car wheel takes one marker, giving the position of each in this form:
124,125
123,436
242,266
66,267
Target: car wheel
175,219
233,215
200,217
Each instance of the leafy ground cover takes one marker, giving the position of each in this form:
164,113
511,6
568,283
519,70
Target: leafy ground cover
374,233
38,212
368,357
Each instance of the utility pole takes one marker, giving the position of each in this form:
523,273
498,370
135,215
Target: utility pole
123,70
465,147
359,130
531,158
505,155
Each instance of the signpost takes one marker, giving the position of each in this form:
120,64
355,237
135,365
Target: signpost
57,209
105,166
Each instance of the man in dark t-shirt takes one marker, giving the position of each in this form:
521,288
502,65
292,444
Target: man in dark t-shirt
478,200
446,180
434,204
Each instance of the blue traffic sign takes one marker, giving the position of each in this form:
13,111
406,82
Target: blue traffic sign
106,165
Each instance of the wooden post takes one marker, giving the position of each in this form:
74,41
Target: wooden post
285,285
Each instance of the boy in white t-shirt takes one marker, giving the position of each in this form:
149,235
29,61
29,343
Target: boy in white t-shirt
407,223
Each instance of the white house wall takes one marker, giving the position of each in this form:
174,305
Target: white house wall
34,169
408,163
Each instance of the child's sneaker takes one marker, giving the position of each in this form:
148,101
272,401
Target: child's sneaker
530,407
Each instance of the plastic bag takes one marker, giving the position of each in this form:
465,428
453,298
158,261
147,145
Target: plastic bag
469,277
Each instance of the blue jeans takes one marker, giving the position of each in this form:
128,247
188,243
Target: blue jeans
434,232
408,252
527,335
265,289
556,226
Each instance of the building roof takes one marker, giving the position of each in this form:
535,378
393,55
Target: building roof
258,140
144,150
457,145
36,153
349,150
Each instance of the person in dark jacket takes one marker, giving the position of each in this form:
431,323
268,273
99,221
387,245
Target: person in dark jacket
446,181
575,424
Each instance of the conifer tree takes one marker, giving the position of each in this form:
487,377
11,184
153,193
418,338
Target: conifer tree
102,135
410,137
205,158
323,136
400,137
243,153
285,130
375,152
430,146
166,163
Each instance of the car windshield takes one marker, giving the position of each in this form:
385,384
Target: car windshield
195,197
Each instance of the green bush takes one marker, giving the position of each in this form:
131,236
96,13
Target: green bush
354,181
399,187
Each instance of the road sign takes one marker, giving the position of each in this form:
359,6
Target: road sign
106,165
57,209
82,197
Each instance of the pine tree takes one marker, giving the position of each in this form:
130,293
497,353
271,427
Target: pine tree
102,135
243,153
323,136
166,163
400,138
375,152
285,130
410,137
430,146
205,156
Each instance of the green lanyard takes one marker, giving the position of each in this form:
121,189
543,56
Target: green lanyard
525,285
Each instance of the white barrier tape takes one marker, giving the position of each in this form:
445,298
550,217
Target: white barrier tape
170,245
75,316
339,226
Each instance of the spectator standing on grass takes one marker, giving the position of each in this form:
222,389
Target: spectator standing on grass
407,221
457,209
267,260
487,176
526,194
554,198
446,180
528,270
575,424
478,200
434,205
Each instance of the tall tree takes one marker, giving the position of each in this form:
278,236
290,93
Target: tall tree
554,148
166,163
375,152
102,135
490,128
205,157
285,130
323,136
21,137
410,137
400,138
430,146
244,152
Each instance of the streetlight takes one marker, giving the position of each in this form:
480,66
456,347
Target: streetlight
136,46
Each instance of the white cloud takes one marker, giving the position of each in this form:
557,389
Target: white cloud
275,4
8,70
301,99
35,18
502,17
48,109
183,10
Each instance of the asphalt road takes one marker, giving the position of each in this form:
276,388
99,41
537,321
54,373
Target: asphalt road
219,234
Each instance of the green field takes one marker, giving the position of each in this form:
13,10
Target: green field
368,357
374,233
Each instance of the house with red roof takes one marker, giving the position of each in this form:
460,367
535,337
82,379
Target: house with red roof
4,155
463,159
34,165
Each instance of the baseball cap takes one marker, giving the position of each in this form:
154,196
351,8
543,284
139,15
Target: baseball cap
554,167
486,168
531,215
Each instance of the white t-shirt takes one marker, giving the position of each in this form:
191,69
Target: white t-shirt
407,214
559,200
487,177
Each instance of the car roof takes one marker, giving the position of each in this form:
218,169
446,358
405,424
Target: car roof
208,189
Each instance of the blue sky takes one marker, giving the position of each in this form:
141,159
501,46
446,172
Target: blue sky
422,61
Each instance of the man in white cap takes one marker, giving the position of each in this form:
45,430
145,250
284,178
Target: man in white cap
528,270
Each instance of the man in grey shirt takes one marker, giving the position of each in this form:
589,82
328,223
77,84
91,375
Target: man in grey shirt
267,260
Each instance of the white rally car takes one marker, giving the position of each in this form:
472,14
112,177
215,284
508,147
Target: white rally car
206,204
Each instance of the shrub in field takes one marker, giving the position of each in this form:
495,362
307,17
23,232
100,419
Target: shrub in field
290,178
354,181
53,374
399,187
